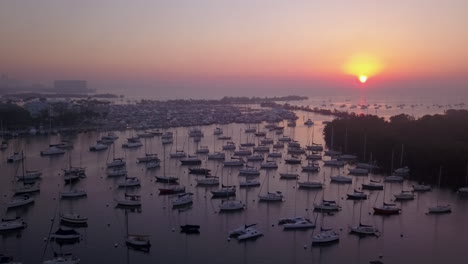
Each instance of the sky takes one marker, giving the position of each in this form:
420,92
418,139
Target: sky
225,47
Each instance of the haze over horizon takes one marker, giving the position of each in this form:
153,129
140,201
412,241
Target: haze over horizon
212,48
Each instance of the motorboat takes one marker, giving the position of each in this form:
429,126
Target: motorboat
182,199
231,205
20,201
271,197
327,206
340,179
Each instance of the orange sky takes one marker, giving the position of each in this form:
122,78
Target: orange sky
146,40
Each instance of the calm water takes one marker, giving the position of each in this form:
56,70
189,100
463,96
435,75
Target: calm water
411,237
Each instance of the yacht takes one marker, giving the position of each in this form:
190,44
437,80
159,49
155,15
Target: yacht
440,209
117,172
203,150
266,141
229,146
234,162
153,164
284,139
365,230
74,219
199,171
260,134
293,160
129,200
132,143
311,167
404,195
358,172
314,157
72,194
296,150
261,148
172,189
275,154
314,147
278,145
167,179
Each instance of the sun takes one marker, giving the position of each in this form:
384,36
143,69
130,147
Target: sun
362,78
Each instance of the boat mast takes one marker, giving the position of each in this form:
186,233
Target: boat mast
402,152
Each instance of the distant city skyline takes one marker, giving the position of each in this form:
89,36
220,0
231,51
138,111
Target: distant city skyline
177,48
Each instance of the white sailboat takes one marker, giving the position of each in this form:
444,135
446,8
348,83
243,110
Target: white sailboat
439,208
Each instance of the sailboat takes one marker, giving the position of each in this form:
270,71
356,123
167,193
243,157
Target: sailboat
326,236
224,190
168,189
138,242
363,230
178,153
28,185
440,208
386,208
12,224
464,190
116,162
183,199
270,196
